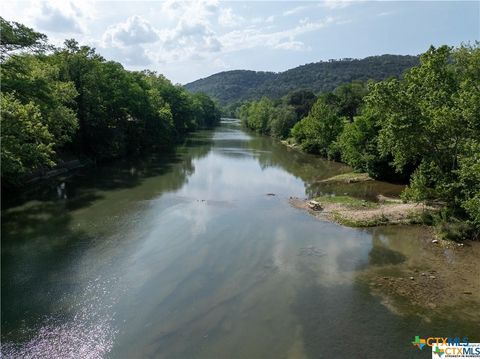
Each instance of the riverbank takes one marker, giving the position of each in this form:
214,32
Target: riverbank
353,212
443,276
437,277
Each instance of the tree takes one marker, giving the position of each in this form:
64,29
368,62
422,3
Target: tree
301,101
119,112
283,118
256,115
36,79
26,142
17,37
318,131
349,98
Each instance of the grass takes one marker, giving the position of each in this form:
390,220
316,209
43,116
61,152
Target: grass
373,222
350,177
347,201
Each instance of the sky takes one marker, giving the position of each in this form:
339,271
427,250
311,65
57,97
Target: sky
188,40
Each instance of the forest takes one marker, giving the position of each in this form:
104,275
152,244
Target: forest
233,87
70,102
422,129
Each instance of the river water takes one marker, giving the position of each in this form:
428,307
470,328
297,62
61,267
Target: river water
186,255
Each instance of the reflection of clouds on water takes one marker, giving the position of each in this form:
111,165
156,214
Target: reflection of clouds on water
279,249
88,334
212,181
197,215
345,249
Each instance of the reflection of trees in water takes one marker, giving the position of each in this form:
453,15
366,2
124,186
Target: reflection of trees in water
309,168
40,242
312,169
380,254
368,190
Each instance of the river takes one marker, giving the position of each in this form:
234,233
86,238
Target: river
197,254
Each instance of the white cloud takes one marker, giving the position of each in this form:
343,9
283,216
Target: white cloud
194,11
386,13
336,4
292,45
228,19
252,37
295,10
192,35
188,34
261,20
136,30
189,39
59,16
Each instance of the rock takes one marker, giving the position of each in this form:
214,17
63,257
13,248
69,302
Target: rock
467,292
423,274
435,241
311,251
314,205
432,277
411,278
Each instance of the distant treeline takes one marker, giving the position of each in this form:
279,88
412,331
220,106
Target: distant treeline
231,87
423,128
70,100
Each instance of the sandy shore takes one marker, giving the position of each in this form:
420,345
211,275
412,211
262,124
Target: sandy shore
356,213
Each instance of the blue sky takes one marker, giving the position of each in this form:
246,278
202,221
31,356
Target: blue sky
187,40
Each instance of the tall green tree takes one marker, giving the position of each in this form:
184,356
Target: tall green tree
16,37
317,132
27,143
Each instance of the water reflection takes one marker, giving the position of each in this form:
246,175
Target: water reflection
196,260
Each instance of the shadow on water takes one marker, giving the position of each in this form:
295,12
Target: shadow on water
312,170
41,241
37,243
380,254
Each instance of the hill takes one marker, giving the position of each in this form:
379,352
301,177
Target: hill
238,85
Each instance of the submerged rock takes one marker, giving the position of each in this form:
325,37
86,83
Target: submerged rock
311,251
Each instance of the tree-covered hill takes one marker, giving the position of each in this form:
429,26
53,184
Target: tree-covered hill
233,86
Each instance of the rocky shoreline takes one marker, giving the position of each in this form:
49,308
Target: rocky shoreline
446,277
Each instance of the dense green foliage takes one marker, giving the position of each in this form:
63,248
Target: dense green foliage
276,118
236,86
424,128
16,36
74,101
319,129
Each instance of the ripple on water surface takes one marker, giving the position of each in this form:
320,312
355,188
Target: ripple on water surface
89,334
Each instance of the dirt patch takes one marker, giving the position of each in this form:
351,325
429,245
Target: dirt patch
445,276
357,213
